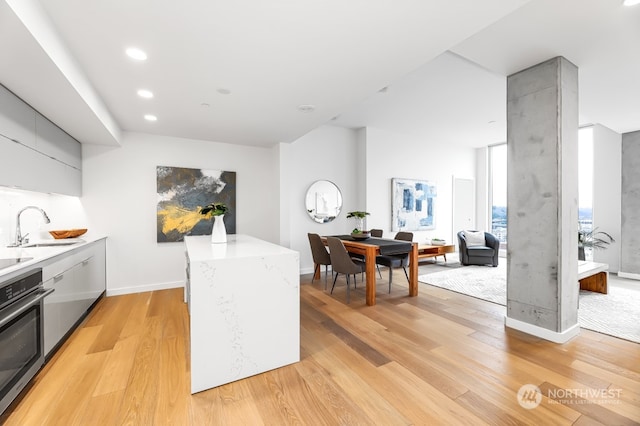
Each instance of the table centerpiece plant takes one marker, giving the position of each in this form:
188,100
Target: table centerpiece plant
217,211
359,216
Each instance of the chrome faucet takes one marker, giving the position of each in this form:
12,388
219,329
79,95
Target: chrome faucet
19,238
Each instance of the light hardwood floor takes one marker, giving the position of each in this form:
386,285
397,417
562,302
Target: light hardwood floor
439,358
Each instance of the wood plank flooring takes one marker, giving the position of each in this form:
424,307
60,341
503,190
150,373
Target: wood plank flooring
439,358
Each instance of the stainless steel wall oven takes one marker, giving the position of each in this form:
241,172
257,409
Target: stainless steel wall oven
21,337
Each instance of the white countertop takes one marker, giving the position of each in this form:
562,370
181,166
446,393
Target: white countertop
237,246
39,254
244,308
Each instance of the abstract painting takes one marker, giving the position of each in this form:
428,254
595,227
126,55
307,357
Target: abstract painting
181,194
412,205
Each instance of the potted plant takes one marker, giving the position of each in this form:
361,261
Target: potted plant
214,209
219,231
359,216
593,239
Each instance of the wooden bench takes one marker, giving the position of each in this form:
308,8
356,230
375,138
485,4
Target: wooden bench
426,251
593,276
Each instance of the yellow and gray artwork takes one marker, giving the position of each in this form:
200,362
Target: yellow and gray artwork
182,192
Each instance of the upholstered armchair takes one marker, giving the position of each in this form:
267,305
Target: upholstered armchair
474,251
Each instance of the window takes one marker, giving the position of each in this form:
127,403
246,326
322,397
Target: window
498,191
585,182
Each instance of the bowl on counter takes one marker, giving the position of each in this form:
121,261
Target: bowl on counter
67,233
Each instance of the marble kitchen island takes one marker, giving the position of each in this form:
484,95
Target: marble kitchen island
244,305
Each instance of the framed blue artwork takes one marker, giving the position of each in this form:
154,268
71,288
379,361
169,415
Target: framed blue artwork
182,192
412,204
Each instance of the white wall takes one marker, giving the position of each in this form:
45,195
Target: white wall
326,153
607,187
120,197
119,187
394,155
362,163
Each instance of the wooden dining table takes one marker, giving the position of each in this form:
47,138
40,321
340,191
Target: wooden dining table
370,248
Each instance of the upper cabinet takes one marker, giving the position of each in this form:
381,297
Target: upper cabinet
17,119
51,140
35,154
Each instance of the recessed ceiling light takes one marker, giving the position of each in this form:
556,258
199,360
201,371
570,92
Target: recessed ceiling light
150,117
306,108
144,93
137,54
631,2
223,91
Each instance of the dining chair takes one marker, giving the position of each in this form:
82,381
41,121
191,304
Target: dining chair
343,263
320,256
376,233
396,260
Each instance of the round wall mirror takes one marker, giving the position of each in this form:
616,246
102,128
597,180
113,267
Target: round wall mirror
323,201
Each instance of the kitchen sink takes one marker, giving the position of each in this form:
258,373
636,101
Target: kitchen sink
50,244
53,243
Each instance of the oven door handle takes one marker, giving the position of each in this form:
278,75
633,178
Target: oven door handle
24,305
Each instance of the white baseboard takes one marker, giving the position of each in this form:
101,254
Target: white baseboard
543,333
629,275
143,288
304,271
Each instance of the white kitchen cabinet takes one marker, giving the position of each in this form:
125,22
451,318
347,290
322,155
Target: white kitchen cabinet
78,278
15,158
25,168
17,119
91,274
59,309
51,140
35,154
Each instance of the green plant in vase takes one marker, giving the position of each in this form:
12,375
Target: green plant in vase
214,209
359,216
217,211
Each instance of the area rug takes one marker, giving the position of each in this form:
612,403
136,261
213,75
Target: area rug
616,314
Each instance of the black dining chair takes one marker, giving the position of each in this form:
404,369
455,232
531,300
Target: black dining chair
376,233
343,263
396,260
320,256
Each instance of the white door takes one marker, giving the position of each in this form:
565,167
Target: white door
464,206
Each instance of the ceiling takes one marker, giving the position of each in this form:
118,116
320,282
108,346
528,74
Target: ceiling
460,97
435,69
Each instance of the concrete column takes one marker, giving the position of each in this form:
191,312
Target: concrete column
542,196
630,237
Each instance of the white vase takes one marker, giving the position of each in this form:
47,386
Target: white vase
219,231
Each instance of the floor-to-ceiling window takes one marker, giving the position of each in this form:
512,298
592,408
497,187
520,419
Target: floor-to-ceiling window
585,182
498,192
